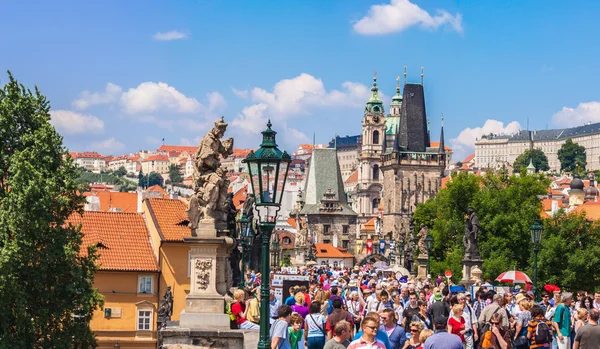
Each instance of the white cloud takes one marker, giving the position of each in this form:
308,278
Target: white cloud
170,35
108,145
160,122
243,94
190,142
152,96
216,102
402,14
194,125
252,118
464,144
87,99
583,113
71,122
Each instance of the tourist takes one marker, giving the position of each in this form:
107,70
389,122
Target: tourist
341,332
279,330
415,328
338,314
545,303
522,323
581,316
273,306
423,315
441,338
291,300
456,323
239,309
562,321
588,303
380,335
440,308
395,333
356,307
368,340
588,336
314,327
295,332
410,310
253,314
494,308
537,317
300,306
496,337
398,307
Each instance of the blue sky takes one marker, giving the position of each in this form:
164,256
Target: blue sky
117,84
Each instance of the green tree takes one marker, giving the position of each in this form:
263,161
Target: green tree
121,171
540,161
141,182
175,174
506,207
155,179
571,155
570,254
47,296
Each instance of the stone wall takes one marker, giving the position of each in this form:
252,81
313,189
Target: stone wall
185,338
316,225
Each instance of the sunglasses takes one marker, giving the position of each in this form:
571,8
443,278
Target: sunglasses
495,323
372,327
413,330
383,318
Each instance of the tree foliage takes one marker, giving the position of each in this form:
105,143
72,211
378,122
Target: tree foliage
537,156
154,178
570,255
175,174
506,208
121,171
47,296
571,155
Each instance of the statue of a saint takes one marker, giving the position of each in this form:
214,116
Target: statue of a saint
422,246
209,179
471,236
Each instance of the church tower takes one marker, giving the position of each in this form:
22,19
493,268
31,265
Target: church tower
370,177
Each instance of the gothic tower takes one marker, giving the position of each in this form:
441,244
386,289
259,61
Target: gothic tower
370,177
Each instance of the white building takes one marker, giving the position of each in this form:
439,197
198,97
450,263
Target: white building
493,151
90,160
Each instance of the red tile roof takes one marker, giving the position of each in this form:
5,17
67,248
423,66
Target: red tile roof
157,188
124,241
240,197
168,148
591,209
370,225
86,155
353,178
292,222
170,218
328,251
158,157
469,158
547,204
241,153
437,145
127,202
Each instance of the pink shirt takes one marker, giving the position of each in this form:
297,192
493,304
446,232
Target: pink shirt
362,344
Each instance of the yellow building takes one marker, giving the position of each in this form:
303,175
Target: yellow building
127,278
167,224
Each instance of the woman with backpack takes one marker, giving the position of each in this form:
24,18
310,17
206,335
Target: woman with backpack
539,330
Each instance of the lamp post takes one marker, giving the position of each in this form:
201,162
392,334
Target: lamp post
268,168
536,231
244,235
401,253
429,246
275,250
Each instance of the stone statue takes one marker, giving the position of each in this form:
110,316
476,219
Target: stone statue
165,309
471,236
209,179
231,213
422,245
248,208
378,226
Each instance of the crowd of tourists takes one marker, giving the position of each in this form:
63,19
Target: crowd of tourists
367,308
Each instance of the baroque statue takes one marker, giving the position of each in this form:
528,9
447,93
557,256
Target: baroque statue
209,202
422,246
165,310
471,235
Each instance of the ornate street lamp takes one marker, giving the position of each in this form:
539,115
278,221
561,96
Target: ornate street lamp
429,246
536,231
268,168
245,235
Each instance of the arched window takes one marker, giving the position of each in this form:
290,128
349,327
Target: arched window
375,172
376,137
287,240
375,204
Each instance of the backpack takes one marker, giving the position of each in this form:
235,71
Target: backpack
542,333
228,311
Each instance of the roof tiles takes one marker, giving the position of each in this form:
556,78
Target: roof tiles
329,251
124,242
170,217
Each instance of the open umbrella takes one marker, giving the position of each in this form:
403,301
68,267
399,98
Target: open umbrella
311,263
457,289
514,276
380,264
551,288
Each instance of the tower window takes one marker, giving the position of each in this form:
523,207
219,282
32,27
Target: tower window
375,137
375,172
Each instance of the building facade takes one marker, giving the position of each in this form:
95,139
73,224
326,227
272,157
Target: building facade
494,151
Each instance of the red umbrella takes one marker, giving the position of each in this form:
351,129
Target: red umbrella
551,288
514,276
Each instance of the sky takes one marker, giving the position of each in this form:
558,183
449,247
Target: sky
123,75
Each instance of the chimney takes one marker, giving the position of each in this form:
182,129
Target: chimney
140,199
554,207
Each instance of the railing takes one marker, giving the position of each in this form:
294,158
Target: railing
420,158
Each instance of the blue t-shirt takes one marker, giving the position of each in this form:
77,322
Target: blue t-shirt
443,339
290,301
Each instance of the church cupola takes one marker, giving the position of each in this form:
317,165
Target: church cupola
374,104
396,104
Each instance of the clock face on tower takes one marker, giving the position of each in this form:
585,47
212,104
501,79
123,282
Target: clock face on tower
376,119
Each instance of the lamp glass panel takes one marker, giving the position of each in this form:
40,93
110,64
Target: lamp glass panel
268,177
281,178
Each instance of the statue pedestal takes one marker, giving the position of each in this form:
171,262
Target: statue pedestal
468,265
422,267
210,279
